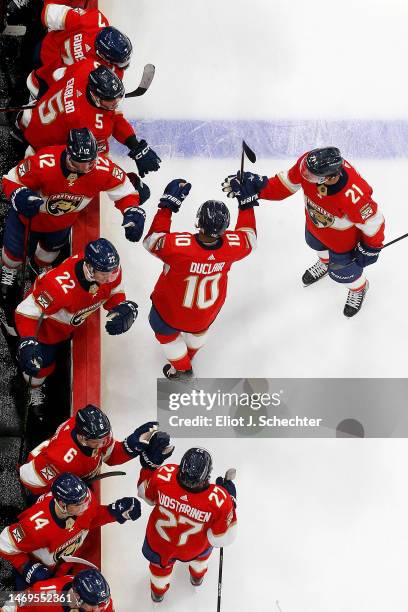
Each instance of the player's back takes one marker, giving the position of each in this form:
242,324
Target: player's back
193,286
179,524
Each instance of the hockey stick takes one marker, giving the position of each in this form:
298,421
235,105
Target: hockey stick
102,476
395,240
25,419
25,255
229,475
249,153
71,559
146,81
147,78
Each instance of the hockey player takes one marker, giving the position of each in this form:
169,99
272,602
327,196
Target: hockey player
190,517
62,299
87,590
81,444
343,223
86,96
57,525
106,46
193,285
48,191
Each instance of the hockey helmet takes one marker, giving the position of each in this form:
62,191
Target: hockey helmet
69,489
114,47
82,146
213,218
104,86
195,469
91,588
320,164
92,423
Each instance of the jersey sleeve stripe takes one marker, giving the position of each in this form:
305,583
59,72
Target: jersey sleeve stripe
223,539
284,178
30,477
372,225
150,241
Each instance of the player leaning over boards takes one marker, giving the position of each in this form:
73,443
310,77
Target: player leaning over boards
189,518
60,301
343,223
82,444
192,288
87,591
56,525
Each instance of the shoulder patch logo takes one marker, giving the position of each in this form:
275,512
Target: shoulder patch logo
366,211
24,167
18,533
48,472
44,300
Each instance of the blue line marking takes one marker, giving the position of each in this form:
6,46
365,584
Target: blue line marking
378,139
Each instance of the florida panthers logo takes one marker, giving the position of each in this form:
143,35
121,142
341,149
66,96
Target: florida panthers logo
71,546
320,217
80,316
62,203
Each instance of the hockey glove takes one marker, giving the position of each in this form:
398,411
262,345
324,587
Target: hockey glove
146,159
174,194
366,255
247,192
133,222
139,439
29,355
121,318
159,449
229,486
142,189
26,202
34,572
125,509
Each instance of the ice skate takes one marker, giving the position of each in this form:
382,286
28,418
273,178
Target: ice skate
181,375
354,301
315,273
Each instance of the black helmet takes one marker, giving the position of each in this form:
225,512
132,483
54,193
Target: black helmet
319,164
195,470
82,146
91,587
69,489
103,84
213,218
92,423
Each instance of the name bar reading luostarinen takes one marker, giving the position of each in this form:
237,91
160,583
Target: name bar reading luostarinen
284,408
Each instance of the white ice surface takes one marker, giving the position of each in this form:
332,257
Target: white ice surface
322,522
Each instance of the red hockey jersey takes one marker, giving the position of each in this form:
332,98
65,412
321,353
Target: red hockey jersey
71,40
67,300
193,285
39,535
66,193
66,106
52,593
183,524
339,216
63,453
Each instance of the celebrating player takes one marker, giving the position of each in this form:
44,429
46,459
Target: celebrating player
62,299
49,190
57,525
81,444
77,42
343,223
193,285
87,590
86,96
189,518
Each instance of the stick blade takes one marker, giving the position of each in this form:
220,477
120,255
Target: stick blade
249,152
147,78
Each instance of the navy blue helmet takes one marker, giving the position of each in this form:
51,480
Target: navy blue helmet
103,84
69,489
114,47
82,146
213,218
195,469
92,423
102,255
91,587
321,163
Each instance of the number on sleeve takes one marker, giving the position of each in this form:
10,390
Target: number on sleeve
38,521
218,495
65,285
